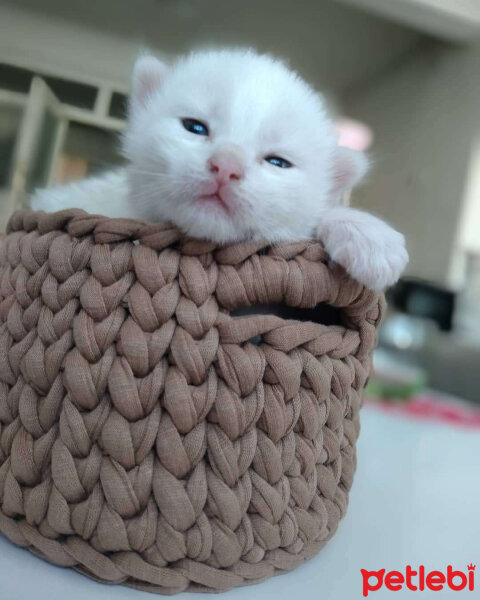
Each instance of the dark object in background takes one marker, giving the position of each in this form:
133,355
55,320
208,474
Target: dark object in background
421,299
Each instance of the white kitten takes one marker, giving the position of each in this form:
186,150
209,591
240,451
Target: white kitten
231,145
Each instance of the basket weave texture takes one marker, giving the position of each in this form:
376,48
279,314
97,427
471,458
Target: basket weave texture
145,439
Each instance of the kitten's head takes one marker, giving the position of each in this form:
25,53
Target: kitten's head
230,145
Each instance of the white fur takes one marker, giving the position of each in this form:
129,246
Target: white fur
254,106
106,195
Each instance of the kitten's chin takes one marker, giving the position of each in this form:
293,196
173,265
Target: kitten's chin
210,219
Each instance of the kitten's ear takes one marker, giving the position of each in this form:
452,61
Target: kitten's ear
148,75
349,168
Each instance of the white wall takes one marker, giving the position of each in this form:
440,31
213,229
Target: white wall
469,229
456,20
37,41
426,117
333,45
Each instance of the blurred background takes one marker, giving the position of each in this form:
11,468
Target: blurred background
402,76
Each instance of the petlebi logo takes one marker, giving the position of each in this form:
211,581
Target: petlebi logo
419,579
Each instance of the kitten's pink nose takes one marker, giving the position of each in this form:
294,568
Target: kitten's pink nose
226,166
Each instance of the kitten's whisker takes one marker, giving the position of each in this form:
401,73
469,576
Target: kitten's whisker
152,173
192,178
196,174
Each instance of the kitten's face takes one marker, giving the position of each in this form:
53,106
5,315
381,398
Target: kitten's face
229,146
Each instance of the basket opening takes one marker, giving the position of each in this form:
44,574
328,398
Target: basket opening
322,313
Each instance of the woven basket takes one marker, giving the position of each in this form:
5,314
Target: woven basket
150,438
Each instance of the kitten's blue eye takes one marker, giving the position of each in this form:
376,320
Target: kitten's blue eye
277,161
194,126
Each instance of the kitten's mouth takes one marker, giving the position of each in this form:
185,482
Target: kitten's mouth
215,200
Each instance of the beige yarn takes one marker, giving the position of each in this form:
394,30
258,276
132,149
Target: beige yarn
144,439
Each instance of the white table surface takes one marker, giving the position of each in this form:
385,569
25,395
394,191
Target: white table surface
415,500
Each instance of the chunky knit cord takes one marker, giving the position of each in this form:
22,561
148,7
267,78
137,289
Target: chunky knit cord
144,439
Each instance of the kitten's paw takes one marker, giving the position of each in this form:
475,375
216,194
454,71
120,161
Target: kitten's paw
371,251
